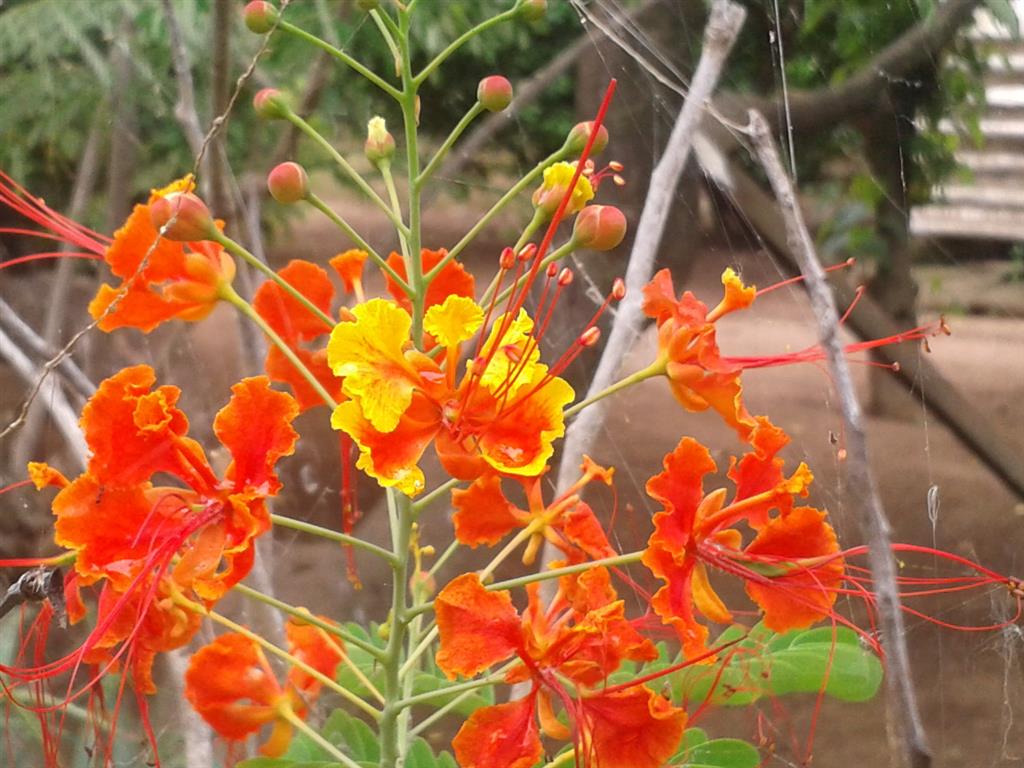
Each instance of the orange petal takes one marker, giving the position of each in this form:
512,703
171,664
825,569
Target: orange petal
349,266
43,475
806,594
482,513
286,314
706,599
230,684
501,736
634,728
452,280
477,628
582,528
315,646
256,427
679,489
280,368
391,458
674,601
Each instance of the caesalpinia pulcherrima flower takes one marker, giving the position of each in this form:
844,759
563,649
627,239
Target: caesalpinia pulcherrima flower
503,415
149,543
582,637
791,567
232,686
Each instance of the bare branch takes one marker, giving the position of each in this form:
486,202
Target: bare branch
860,479
24,335
64,416
723,26
185,109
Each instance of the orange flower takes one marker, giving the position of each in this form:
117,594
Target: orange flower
452,280
699,377
349,266
791,567
161,279
504,415
298,326
230,683
583,636
484,516
126,531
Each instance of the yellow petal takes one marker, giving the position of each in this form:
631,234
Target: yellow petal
454,321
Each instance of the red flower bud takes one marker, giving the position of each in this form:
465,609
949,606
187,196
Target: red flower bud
186,217
533,10
260,16
580,134
494,93
288,183
599,227
271,104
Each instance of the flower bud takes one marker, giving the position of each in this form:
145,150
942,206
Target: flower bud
288,183
186,217
380,145
271,104
580,135
599,227
260,16
619,289
533,10
494,93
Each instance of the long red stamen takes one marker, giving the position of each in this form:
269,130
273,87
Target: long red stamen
800,278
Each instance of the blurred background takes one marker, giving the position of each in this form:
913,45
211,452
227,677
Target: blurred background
901,121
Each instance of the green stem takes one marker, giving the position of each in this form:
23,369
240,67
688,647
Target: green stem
458,42
425,501
228,294
469,685
444,558
299,613
393,734
281,653
354,236
457,131
495,209
657,368
412,662
442,711
555,573
301,725
345,166
528,230
413,261
234,248
327,533
385,32
343,57
396,206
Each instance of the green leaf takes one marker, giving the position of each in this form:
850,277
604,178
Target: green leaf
344,730
804,661
722,753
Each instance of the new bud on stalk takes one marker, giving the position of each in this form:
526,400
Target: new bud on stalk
599,227
192,221
288,183
271,104
380,145
260,16
494,93
580,135
533,10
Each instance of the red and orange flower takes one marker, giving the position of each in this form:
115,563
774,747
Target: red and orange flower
791,567
582,637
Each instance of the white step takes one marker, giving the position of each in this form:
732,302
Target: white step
991,195
967,222
995,163
991,127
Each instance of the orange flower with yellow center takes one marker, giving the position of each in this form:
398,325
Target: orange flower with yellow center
503,415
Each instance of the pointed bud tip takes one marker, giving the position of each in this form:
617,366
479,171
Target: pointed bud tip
494,93
183,217
288,183
260,16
